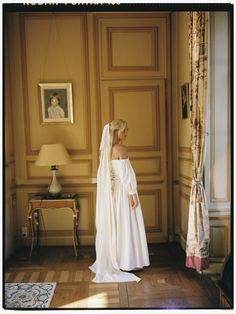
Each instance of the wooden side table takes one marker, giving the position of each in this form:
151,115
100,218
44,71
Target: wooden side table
40,203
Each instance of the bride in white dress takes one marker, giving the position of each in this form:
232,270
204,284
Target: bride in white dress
121,243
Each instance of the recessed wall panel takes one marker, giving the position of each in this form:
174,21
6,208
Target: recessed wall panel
139,106
50,60
142,105
135,46
151,203
76,169
124,44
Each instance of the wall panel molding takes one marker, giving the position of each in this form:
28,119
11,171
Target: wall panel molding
183,176
184,195
44,186
87,33
218,241
185,190
86,217
185,149
151,29
156,112
153,182
157,171
184,159
27,17
133,30
82,165
91,219
158,223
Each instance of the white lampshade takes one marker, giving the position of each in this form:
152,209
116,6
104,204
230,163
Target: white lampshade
53,154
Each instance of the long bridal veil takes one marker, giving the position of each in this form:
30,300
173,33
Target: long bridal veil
106,267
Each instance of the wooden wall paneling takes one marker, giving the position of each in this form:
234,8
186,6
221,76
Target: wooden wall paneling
77,169
175,122
9,204
98,90
121,36
220,235
87,218
56,225
147,166
121,98
16,89
218,241
184,205
123,42
10,217
40,34
94,91
171,143
125,92
94,22
142,104
185,175
9,135
185,169
176,203
185,181
151,203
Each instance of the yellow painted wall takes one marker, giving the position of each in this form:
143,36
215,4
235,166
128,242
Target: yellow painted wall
94,51
90,50
42,56
181,127
9,167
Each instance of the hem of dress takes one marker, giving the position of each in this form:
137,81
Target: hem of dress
134,268
121,276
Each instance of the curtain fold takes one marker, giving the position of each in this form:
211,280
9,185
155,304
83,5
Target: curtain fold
197,247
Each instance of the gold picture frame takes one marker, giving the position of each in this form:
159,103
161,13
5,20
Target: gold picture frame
185,100
56,103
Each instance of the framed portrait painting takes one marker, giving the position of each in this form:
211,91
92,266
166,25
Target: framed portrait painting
185,100
56,103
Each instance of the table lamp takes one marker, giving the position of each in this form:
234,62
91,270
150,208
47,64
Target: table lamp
53,155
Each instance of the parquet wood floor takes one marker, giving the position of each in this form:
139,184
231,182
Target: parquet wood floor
167,283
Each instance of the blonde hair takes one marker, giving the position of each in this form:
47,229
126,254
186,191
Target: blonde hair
115,126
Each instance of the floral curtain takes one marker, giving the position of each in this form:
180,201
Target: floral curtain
197,248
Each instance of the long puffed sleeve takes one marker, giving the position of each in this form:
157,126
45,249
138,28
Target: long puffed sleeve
127,176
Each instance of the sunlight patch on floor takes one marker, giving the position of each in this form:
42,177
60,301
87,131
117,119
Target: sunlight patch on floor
98,300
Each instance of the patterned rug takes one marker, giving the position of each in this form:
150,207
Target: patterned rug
29,295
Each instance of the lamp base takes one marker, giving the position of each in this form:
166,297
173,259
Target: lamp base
55,187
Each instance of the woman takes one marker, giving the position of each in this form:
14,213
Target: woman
55,111
121,243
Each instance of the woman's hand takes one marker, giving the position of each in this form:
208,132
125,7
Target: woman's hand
133,201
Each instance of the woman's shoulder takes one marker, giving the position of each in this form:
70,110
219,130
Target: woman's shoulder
119,151
120,148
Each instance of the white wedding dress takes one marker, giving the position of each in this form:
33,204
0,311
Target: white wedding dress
121,240
131,243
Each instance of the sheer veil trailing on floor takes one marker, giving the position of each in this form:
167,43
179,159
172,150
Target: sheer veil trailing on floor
106,267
